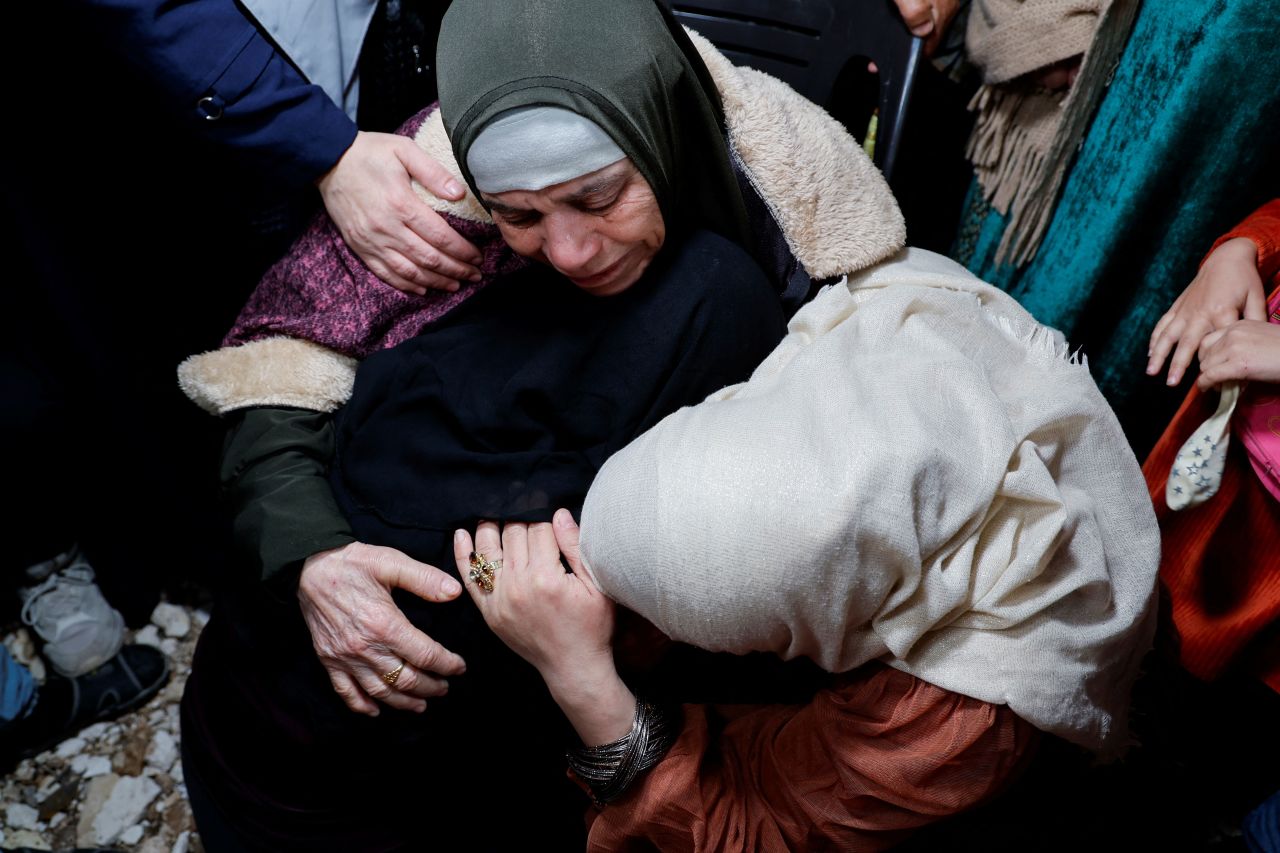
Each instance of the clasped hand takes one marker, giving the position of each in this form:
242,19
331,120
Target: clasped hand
558,621
359,633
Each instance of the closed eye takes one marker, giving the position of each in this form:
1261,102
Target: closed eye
517,218
597,207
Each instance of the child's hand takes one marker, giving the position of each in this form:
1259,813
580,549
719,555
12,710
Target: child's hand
1226,289
1247,350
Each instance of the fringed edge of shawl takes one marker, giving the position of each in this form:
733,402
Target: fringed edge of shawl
1027,182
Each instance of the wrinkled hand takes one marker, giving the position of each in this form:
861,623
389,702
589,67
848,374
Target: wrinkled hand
928,19
406,243
1227,289
360,634
1247,350
557,621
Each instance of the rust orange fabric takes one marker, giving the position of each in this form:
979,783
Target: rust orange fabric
858,768
1221,563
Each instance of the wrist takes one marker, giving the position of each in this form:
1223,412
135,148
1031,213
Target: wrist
598,704
1238,250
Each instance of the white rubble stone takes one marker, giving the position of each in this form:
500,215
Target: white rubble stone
56,820
169,646
180,846
21,816
200,617
29,839
123,805
171,619
164,749
148,636
90,766
132,835
95,731
69,747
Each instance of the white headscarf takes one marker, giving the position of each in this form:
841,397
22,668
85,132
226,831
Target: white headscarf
530,148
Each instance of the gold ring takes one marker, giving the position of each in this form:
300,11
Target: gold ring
483,570
394,675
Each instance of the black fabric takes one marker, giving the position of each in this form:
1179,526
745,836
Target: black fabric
397,73
505,409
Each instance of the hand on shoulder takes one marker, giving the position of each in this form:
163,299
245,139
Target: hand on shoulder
369,196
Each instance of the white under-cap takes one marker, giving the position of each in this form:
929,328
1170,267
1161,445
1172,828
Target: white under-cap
529,148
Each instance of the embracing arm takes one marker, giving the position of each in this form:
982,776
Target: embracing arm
863,763
287,523
214,69
274,476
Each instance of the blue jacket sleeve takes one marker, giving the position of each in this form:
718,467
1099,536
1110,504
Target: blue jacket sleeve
212,67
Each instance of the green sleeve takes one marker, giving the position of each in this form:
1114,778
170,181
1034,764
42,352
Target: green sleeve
275,465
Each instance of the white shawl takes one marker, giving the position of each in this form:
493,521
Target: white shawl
919,473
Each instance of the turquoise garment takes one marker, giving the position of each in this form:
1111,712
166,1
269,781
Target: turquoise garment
1184,146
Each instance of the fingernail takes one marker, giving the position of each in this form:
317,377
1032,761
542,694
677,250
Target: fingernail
923,30
422,707
459,535
454,187
451,587
475,276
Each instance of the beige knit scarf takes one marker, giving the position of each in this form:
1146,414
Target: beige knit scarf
1026,136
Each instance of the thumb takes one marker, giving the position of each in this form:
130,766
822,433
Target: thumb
1255,304
397,569
917,15
426,170
567,540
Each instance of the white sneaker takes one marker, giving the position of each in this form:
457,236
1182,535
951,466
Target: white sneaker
81,631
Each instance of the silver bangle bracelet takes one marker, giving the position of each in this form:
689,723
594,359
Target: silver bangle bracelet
609,769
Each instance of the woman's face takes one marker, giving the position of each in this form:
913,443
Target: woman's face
600,230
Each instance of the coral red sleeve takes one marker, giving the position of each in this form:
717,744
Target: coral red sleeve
858,768
1263,228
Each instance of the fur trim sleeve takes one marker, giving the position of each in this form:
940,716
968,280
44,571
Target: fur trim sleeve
270,372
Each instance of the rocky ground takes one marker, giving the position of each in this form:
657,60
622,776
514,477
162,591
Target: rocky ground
115,784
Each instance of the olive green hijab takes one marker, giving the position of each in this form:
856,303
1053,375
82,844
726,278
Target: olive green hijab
624,64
